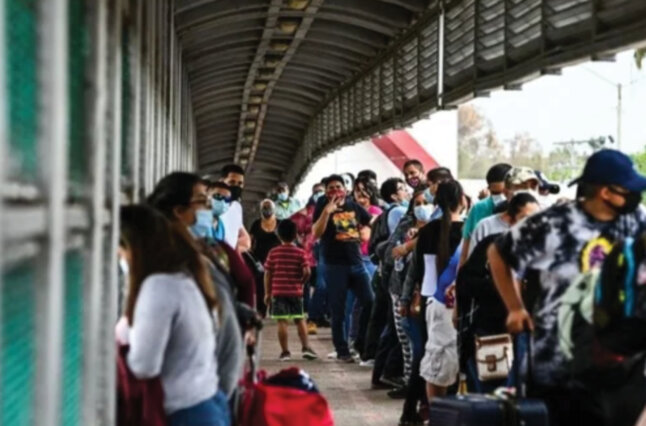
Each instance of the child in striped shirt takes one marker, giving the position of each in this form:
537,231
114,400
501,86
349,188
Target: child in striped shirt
286,272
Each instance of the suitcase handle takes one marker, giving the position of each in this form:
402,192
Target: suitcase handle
522,349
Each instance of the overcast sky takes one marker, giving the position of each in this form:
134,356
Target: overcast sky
578,104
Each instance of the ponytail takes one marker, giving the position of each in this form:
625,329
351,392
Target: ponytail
448,198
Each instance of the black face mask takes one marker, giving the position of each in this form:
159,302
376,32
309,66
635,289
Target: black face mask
630,206
267,213
236,192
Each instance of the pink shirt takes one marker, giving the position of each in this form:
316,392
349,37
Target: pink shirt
374,211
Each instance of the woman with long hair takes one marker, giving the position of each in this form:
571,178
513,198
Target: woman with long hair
394,269
172,312
432,270
183,199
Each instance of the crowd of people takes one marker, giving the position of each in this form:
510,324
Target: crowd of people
419,283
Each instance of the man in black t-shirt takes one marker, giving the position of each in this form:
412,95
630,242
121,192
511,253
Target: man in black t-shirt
337,224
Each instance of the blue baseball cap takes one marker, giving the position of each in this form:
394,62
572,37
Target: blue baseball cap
612,167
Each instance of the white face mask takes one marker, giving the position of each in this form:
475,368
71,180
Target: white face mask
498,198
424,213
123,265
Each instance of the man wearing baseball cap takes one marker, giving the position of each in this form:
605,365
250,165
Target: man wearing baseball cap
550,250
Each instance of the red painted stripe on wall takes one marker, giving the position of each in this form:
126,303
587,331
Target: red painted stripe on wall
399,146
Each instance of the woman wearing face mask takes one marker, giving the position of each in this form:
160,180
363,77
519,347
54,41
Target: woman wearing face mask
172,314
263,239
394,272
183,197
432,269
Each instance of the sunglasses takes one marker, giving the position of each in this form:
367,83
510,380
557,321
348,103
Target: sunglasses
220,197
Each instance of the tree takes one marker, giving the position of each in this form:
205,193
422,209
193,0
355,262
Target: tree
478,145
640,54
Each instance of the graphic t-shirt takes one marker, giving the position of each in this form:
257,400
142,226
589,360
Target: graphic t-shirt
340,243
285,263
558,244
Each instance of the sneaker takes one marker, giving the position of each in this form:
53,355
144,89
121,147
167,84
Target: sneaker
311,329
396,382
369,363
309,354
331,355
398,393
285,356
346,359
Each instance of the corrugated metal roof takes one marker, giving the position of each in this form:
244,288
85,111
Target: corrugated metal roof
278,83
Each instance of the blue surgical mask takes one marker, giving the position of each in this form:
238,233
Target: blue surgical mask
203,224
429,197
219,207
283,196
424,213
405,203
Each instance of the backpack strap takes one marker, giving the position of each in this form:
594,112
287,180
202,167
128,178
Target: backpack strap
629,255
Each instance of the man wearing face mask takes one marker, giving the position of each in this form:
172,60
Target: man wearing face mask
414,173
220,202
554,247
485,208
337,224
285,205
235,233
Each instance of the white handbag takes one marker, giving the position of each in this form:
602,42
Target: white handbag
494,356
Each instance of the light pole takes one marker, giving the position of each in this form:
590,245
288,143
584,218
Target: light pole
619,88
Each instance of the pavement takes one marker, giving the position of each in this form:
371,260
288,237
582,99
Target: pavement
345,386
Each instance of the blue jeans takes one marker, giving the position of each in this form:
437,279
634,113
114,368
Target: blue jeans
318,307
340,279
212,412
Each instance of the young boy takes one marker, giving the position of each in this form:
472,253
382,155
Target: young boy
286,271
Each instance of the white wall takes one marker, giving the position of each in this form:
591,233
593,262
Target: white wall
352,159
439,137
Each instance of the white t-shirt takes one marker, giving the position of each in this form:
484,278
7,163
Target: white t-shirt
232,222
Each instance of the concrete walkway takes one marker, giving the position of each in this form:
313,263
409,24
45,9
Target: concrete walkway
346,386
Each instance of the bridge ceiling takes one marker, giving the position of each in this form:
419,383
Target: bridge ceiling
275,84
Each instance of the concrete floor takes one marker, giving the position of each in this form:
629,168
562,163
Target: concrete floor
346,386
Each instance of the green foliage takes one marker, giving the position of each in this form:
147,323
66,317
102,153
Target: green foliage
640,54
479,149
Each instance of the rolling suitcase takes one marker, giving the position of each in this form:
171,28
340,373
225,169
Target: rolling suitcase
489,410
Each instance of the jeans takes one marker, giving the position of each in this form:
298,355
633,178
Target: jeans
212,412
340,279
416,386
318,307
355,329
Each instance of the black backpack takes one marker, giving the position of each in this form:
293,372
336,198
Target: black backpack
379,237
